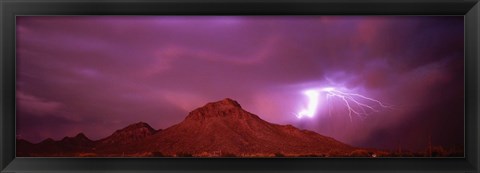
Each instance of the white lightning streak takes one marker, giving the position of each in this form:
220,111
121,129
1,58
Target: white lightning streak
356,104
353,103
313,96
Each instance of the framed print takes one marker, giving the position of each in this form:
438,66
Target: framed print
239,86
173,86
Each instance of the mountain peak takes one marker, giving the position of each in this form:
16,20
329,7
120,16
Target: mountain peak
140,128
229,101
76,139
136,127
222,108
226,103
48,140
139,125
81,136
129,134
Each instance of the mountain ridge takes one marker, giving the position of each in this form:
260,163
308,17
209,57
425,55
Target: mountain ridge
220,128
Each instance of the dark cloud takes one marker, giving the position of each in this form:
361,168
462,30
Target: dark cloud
98,74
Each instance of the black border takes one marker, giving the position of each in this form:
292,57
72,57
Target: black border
11,8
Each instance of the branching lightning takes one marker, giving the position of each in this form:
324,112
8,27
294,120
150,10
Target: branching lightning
356,104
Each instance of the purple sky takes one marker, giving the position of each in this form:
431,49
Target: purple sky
99,74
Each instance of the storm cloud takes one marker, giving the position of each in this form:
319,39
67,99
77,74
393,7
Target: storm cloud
97,74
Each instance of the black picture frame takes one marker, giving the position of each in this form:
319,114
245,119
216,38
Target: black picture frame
470,9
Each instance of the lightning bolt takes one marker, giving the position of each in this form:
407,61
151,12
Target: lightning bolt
356,104
313,96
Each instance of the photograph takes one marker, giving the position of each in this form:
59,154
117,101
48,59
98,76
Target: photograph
176,86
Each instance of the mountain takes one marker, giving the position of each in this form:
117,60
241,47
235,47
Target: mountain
123,139
78,143
221,128
224,128
50,147
130,134
79,139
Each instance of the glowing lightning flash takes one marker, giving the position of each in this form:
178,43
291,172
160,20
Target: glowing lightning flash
312,104
356,104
